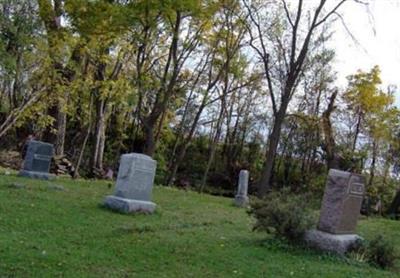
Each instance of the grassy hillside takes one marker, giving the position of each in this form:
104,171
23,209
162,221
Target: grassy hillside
45,232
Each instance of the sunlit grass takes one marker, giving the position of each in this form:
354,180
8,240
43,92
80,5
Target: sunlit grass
45,232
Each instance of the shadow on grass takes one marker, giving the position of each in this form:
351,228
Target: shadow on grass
295,249
148,228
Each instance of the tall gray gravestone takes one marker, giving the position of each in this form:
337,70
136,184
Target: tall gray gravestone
37,160
241,198
339,213
134,185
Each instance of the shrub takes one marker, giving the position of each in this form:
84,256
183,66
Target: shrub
379,252
283,215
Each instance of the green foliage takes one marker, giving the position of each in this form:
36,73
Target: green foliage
282,214
379,252
363,92
161,155
382,191
352,161
317,185
113,62
192,169
372,107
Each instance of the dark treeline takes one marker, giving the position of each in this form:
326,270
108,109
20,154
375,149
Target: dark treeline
205,87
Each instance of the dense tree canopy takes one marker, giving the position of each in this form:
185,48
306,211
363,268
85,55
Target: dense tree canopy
205,87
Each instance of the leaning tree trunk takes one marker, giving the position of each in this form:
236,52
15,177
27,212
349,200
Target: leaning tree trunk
273,141
358,126
373,163
184,146
82,151
85,140
213,147
99,137
332,158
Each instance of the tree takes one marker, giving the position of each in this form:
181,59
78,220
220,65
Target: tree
50,13
162,54
21,63
283,67
364,97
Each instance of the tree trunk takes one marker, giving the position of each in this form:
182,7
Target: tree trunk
61,129
213,146
149,145
273,141
99,137
173,164
293,69
166,91
183,148
85,140
50,13
332,158
372,169
358,126
185,144
82,151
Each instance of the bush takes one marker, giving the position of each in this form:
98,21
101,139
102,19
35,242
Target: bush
379,252
283,215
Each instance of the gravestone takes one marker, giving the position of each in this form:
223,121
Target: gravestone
341,203
134,185
241,198
339,214
37,160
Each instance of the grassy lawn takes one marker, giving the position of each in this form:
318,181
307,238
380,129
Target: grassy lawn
49,233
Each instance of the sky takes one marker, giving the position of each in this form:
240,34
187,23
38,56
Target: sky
376,41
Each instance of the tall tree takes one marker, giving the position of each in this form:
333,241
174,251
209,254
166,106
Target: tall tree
168,34
292,48
51,12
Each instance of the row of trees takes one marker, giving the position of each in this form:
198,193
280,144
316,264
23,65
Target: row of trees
205,87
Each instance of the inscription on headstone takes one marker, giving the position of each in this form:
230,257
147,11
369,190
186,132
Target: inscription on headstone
134,184
241,198
37,160
341,203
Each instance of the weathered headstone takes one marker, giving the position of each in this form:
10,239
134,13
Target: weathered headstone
241,198
37,160
341,203
340,210
134,185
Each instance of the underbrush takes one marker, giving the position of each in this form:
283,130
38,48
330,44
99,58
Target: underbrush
284,215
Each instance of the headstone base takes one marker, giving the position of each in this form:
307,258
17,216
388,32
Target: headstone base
36,175
338,244
241,201
128,205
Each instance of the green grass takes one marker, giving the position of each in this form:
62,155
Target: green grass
50,233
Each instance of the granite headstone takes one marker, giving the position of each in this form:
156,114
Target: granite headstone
241,198
341,203
134,185
340,210
37,160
